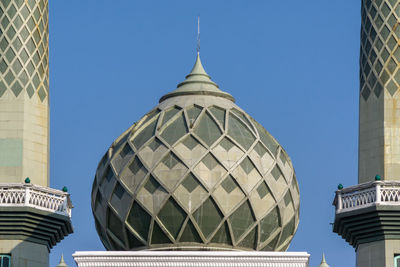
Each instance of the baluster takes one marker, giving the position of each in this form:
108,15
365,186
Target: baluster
339,202
378,194
27,196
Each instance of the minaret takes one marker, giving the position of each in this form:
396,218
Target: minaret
379,128
368,214
24,91
33,217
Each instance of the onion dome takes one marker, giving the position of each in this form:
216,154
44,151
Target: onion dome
195,173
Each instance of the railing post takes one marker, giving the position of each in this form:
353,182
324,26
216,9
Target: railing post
27,196
339,202
377,193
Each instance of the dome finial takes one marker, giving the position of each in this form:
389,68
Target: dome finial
323,261
198,34
62,262
198,82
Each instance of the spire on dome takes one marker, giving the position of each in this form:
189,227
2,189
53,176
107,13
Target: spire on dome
198,82
323,261
62,262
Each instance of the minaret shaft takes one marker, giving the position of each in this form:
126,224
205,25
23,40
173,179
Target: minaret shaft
379,122
367,214
24,87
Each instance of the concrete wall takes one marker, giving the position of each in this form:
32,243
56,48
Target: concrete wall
378,253
25,254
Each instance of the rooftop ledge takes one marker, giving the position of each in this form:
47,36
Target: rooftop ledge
377,193
38,197
150,258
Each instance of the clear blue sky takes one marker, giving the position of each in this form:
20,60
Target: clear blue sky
292,65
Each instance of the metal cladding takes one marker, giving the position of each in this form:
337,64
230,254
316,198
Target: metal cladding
196,172
24,90
379,140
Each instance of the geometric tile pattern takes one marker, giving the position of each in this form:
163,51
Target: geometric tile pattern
196,174
24,52
380,51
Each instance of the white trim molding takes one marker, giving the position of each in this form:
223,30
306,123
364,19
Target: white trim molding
153,258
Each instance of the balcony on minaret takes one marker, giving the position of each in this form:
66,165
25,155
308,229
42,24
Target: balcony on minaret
34,196
367,211
41,213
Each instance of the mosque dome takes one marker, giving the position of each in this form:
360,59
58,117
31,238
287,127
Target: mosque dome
196,173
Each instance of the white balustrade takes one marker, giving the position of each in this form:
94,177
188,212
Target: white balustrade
27,195
367,194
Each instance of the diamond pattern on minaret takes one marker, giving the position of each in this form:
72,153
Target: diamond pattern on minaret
380,52
24,48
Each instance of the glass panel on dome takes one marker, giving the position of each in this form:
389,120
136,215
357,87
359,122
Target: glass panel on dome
137,166
262,190
240,132
98,202
287,198
283,156
151,114
190,234
287,231
170,113
243,117
222,236
107,184
115,225
276,172
229,184
125,151
152,185
133,242
208,217
145,134
114,245
260,149
271,245
139,220
241,220
250,241
172,216
269,224
266,138
175,130
190,183
120,200
158,236
295,184
193,112
207,129
219,114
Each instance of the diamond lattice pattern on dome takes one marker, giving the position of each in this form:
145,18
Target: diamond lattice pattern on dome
200,176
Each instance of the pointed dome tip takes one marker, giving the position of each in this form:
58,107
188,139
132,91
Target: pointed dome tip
198,82
62,262
323,261
198,68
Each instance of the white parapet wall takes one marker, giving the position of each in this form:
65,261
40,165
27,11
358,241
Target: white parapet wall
35,196
378,193
190,259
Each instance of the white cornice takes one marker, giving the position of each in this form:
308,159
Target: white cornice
190,259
